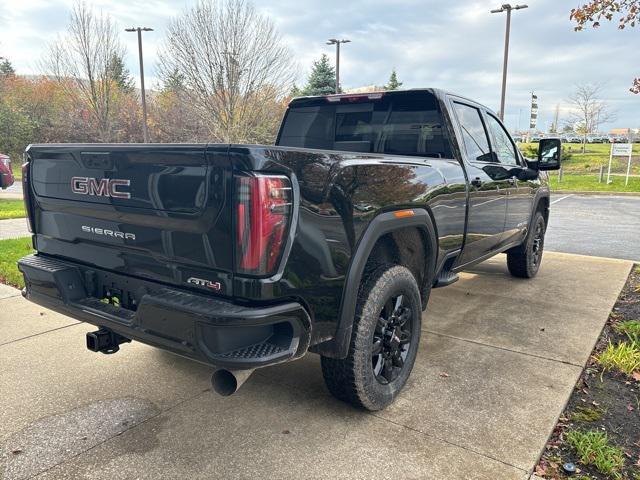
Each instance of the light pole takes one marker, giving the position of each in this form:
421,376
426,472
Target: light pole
336,42
506,8
145,130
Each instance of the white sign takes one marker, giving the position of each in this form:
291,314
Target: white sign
621,149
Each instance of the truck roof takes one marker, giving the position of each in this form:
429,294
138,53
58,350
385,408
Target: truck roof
437,92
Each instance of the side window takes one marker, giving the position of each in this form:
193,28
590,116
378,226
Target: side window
474,135
503,146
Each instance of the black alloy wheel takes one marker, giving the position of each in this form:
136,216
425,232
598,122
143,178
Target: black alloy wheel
391,340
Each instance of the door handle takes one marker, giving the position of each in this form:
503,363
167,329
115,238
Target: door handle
476,182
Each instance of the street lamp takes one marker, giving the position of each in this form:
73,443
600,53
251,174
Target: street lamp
506,8
336,42
145,130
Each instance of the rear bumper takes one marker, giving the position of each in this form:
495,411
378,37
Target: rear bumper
203,328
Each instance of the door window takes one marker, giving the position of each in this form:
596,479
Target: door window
474,135
502,144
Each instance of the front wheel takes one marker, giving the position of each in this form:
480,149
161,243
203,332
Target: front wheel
384,342
524,260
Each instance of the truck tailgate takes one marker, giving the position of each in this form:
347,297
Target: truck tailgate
160,212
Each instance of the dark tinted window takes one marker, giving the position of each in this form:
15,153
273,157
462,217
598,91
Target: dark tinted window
474,135
407,123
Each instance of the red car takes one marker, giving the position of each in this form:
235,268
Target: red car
6,175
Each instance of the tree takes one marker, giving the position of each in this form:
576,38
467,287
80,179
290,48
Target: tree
173,82
82,61
16,129
120,74
627,12
234,65
322,79
588,110
173,120
6,69
295,92
393,83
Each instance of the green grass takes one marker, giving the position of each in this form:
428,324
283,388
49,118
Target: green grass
596,154
589,183
593,448
581,170
11,209
624,357
630,328
10,252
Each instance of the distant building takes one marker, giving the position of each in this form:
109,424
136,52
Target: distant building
624,131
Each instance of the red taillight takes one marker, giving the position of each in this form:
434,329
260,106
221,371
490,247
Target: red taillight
263,210
25,194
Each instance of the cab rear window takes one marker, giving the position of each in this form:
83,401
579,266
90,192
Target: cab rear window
399,123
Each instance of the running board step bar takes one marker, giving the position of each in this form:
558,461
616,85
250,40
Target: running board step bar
445,277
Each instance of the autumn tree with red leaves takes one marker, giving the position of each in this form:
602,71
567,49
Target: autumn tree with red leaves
627,12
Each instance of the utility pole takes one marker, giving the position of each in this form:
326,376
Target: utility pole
336,42
506,8
556,119
145,129
519,115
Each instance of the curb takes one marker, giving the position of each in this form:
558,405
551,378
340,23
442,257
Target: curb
603,194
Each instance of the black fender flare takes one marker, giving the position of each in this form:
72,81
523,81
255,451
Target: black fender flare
381,225
540,196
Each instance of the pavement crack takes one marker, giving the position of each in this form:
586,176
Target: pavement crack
565,362
39,333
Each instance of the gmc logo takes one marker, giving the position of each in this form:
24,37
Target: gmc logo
103,187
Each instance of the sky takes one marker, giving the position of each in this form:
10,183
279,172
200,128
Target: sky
452,44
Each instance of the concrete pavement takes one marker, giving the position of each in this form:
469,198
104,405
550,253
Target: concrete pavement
14,192
13,228
512,351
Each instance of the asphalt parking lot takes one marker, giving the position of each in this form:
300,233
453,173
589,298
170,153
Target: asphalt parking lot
603,226
499,359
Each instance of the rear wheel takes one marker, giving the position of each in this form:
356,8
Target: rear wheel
524,260
384,342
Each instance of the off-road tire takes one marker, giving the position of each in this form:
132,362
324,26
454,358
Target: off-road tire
524,260
353,379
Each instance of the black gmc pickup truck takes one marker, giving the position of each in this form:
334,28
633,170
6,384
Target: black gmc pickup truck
243,256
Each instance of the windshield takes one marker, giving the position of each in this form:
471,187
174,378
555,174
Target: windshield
402,123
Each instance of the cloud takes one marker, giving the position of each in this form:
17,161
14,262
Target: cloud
453,45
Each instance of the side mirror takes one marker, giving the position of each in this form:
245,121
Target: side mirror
549,152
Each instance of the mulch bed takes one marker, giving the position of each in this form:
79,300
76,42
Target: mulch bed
615,394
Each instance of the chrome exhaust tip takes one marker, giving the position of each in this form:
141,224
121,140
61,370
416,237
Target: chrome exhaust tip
227,382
